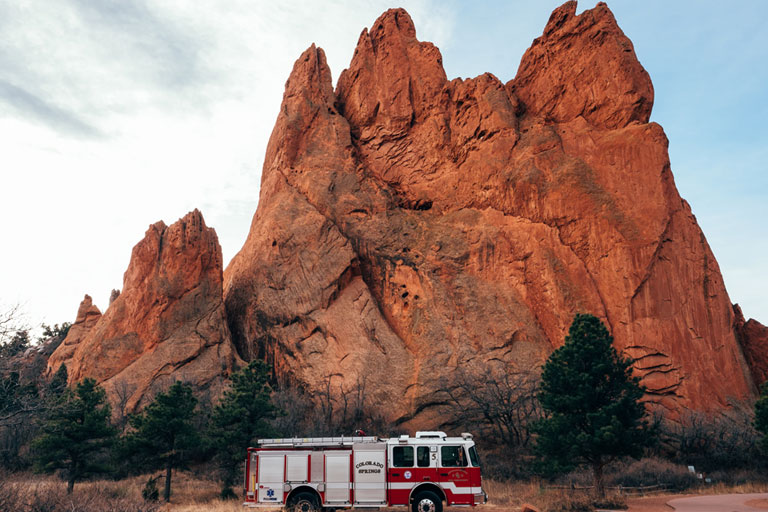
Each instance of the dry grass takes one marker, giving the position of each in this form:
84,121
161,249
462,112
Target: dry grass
194,494
724,488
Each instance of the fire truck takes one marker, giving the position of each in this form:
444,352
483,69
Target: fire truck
310,474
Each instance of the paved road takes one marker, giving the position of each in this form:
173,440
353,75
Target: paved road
722,503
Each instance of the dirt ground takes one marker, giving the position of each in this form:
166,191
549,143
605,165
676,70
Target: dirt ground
652,503
761,504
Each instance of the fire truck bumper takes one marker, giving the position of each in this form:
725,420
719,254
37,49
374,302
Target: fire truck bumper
481,498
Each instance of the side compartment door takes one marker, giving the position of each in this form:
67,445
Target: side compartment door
271,473
370,485
337,481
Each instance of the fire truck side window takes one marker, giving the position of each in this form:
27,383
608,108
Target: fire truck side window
422,456
453,456
402,456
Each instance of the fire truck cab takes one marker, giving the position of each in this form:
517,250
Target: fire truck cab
308,474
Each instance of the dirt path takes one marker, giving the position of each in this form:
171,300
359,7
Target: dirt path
652,503
722,503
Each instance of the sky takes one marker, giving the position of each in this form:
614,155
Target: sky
115,114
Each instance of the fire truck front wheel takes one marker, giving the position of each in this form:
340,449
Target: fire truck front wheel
427,501
304,502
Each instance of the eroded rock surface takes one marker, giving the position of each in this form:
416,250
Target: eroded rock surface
88,315
409,225
167,324
754,340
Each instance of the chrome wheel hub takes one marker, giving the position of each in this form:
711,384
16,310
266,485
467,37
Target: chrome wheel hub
426,505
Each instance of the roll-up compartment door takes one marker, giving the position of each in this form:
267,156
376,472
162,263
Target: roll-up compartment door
271,473
297,469
337,482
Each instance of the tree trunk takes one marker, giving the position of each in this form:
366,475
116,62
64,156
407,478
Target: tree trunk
168,469
71,477
597,468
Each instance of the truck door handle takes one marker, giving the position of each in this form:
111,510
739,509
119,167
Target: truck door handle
426,478
395,474
443,474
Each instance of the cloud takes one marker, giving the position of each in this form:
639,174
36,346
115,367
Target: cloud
38,109
146,44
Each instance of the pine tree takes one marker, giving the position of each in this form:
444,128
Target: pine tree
591,402
164,435
58,382
77,434
240,418
761,416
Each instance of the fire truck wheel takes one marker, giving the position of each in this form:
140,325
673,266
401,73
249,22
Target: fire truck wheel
427,501
304,502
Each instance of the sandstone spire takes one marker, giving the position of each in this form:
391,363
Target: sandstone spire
167,324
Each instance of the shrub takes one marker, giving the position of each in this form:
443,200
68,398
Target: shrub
505,463
651,471
565,502
51,498
611,502
725,441
150,491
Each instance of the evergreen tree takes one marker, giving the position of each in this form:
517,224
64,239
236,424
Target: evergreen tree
591,402
58,382
76,435
16,399
240,418
164,435
761,416
18,343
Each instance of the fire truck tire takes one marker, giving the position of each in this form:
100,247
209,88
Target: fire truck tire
304,502
427,501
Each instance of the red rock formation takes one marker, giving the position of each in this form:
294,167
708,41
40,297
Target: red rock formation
408,225
167,324
87,316
753,337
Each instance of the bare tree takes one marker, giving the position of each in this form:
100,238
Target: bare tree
123,391
10,323
499,401
726,439
331,410
14,336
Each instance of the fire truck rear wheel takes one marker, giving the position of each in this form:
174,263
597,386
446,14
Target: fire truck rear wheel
304,502
427,501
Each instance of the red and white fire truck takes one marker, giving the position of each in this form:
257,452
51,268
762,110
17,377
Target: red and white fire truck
308,474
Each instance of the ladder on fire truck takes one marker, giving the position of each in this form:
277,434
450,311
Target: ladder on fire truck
310,442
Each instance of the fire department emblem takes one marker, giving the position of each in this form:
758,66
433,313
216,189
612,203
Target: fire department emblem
407,475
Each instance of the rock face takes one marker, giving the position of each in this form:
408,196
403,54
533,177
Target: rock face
409,225
754,340
167,324
88,315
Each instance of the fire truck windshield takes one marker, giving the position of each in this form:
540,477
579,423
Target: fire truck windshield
474,457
